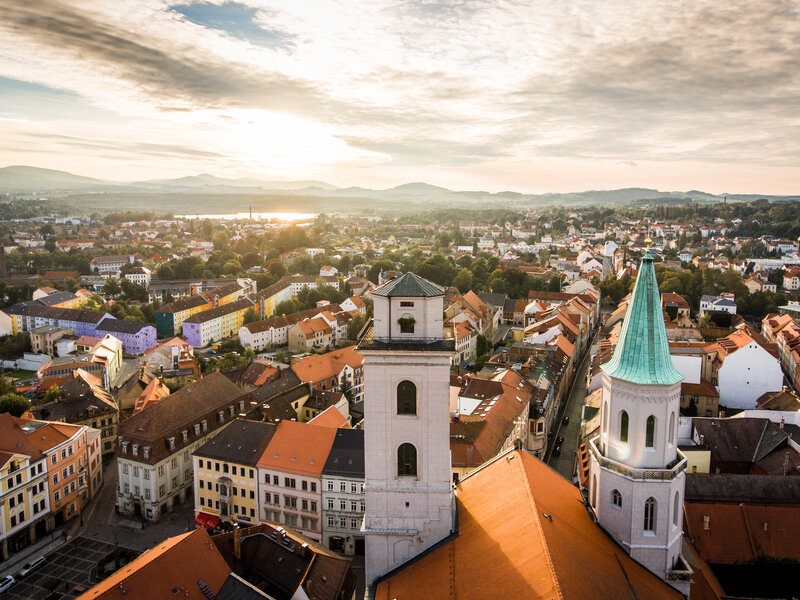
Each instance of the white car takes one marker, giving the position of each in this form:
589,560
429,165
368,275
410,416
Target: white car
30,566
6,582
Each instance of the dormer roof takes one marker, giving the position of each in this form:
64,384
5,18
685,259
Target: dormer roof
408,285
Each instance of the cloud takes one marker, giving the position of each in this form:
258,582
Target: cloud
236,19
412,85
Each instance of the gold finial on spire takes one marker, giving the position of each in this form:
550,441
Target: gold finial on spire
647,240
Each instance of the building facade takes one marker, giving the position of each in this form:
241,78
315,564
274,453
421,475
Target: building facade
406,409
343,494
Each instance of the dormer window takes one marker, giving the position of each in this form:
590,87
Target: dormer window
205,425
241,405
125,447
197,429
135,450
185,435
147,452
220,416
231,409
171,443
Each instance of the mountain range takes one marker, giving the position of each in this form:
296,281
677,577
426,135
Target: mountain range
26,179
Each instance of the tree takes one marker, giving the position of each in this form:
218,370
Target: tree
346,388
52,394
16,404
277,269
111,287
463,280
232,267
355,325
249,355
280,356
133,291
165,273
250,316
483,346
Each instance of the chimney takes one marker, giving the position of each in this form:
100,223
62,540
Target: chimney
237,542
706,522
782,423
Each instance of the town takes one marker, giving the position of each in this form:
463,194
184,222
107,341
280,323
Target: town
360,395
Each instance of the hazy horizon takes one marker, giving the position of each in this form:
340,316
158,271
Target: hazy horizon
471,95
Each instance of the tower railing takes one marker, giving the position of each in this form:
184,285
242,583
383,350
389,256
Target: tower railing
669,472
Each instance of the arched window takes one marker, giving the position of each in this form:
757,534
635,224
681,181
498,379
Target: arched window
406,460
616,498
650,514
406,398
594,491
676,509
650,433
406,323
605,417
623,427
672,429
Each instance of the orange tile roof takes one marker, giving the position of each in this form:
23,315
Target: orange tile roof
152,393
549,549
53,434
14,440
330,417
178,562
298,448
324,366
312,326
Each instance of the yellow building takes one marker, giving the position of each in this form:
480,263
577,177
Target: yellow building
226,477
24,492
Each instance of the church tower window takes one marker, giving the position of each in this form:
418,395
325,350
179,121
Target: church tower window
676,509
406,460
672,429
616,498
406,398
650,515
650,432
623,427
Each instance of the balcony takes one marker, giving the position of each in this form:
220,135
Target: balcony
671,471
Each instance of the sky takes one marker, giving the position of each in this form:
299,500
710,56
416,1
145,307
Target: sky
536,96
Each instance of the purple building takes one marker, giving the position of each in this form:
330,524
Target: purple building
136,336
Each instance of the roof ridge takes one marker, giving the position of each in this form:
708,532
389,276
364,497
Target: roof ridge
538,526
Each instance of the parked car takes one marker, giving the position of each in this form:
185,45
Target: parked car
565,420
559,440
6,582
30,566
557,450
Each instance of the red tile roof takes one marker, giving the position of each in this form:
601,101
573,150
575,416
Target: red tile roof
523,532
299,448
177,563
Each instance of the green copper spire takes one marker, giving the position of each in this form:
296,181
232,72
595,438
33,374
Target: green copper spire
642,352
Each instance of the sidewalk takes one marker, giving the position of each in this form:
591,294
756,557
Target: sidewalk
45,546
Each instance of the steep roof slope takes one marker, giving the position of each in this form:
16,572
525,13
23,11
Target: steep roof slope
642,352
550,548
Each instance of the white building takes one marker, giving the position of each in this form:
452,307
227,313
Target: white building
636,472
722,303
743,369
140,276
343,493
409,496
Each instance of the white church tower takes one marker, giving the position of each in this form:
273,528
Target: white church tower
409,494
637,473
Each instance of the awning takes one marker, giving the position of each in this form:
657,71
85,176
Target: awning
206,520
